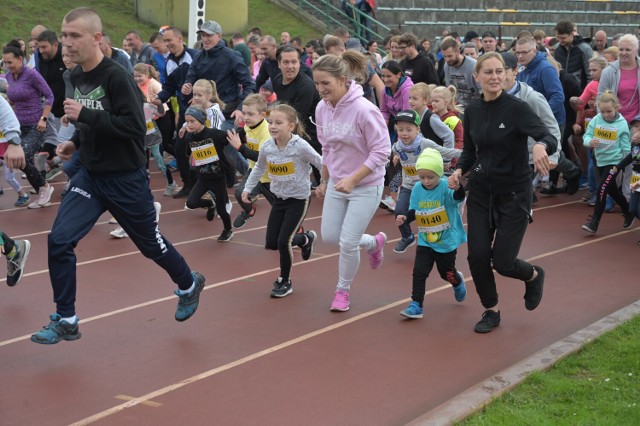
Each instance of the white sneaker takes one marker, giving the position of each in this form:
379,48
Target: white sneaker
170,190
44,198
229,207
119,233
158,208
388,203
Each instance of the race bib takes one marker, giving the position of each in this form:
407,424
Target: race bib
204,154
635,178
433,220
410,170
606,136
150,127
253,145
283,171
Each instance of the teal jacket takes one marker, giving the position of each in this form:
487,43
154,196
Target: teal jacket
614,138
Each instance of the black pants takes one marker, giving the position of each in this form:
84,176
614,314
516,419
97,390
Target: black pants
260,188
425,258
284,220
32,141
608,186
497,224
216,184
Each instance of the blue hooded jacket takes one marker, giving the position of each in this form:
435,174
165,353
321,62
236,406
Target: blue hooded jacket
542,77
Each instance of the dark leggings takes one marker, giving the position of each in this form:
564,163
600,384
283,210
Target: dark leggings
32,140
9,244
608,186
217,185
284,220
260,188
425,258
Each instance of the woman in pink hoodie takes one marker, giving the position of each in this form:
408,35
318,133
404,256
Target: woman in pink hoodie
355,148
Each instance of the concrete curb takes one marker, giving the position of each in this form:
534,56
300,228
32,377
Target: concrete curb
478,396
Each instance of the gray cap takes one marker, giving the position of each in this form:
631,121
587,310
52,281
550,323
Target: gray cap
211,27
510,60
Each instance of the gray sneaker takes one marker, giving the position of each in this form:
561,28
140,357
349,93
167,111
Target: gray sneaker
188,303
15,264
404,244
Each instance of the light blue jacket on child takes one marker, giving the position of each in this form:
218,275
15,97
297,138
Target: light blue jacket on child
614,139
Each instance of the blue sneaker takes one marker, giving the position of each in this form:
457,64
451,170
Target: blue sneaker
460,291
23,200
404,244
610,205
188,303
413,311
56,330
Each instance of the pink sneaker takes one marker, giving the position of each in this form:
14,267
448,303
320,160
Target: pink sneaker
376,256
340,301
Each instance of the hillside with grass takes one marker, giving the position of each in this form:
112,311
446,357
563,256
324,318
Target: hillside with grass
118,16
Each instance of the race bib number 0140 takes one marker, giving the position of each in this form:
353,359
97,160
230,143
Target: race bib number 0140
434,220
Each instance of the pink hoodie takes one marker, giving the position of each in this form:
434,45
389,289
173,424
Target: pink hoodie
353,133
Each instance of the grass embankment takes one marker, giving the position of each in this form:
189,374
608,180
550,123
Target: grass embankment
600,385
118,17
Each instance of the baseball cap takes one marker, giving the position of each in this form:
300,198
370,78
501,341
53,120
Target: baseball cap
489,34
408,116
470,36
510,60
211,27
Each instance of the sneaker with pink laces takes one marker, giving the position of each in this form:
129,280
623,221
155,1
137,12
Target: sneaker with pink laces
340,301
376,255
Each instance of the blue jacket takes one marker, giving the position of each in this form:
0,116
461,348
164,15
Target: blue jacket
543,78
226,67
176,70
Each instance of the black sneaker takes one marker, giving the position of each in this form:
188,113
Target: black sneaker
628,220
188,303
591,226
533,292
15,264
211,211
550,190
183,193
307,249
281,289
243,217
225,236
490,320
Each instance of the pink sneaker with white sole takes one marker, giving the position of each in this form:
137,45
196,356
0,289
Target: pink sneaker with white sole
376,255
340,301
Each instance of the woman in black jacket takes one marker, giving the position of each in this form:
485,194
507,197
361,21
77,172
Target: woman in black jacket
499,204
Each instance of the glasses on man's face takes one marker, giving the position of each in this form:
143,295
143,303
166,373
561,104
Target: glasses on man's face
523,53
402,47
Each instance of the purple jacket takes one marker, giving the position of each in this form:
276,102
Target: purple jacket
352,134
25,93
393,104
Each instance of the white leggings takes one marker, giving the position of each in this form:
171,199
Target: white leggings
344,220
10,177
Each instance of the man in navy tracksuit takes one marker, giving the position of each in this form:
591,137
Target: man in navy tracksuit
110,127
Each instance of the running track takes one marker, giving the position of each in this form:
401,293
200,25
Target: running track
246,359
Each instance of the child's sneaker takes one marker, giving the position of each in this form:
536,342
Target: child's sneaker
307,249
44,197
244,217
490,320
388,204
15,263
460,291
53,173
22,201
119,233
404,244
376,255
56,331
340,301
171,189
188,303
225,236
281,289
413,311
